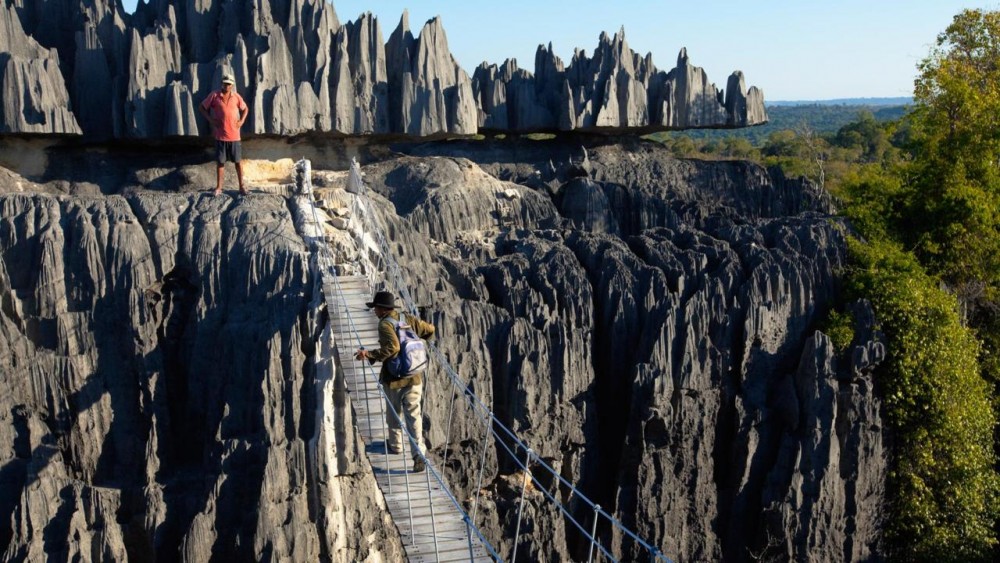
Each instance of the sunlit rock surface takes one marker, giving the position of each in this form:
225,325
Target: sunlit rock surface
668,308
89,68
33,95
647,324
157,396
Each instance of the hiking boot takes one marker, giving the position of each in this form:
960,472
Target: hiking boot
393,449
419,465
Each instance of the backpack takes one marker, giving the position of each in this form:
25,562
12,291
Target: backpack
412,356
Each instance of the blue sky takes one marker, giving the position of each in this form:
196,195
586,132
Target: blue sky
793,49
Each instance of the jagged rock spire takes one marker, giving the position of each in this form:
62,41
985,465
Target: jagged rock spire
94,70
33,93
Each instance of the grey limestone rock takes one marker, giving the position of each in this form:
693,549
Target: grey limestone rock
342,87
158,393
665,307
155,61
274,100
366,50
180,111
614,90
688,99
430,93
93,85
301,71
200,22
837,433
359,79
32,89
292,86
491,92
743,107
646,324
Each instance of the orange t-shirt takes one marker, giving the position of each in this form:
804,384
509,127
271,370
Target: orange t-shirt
218,106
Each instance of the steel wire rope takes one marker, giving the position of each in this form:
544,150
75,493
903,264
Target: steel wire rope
430,504
593,533
340,293
545,492
414,446
447,439
573,490
520,505
413,443
323,251
440,480
401,288
587,501
354,330
396,274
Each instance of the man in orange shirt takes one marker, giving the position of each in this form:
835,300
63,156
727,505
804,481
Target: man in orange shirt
226,111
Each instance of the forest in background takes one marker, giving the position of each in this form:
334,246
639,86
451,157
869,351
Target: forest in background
920,187
819,117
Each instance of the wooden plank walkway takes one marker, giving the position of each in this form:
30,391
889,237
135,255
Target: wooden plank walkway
429,523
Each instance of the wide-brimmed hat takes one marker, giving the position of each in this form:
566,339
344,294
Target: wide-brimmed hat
228,79
382,299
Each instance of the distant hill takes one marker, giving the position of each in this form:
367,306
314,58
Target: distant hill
872,102
822,117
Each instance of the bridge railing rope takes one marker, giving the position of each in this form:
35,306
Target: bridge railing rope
492,428
328,272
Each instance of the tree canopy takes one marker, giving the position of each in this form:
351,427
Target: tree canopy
956,142
923,196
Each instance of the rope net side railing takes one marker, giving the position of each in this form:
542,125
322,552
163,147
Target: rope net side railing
327,270
371,232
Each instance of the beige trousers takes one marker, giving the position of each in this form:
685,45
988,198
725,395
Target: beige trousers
406,403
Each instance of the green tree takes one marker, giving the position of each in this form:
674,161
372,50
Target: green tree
943,485
941,313
784,143
866,135
875,200
798,152
737,147
954,136
955,131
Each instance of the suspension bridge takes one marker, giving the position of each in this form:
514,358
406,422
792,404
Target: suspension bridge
432,522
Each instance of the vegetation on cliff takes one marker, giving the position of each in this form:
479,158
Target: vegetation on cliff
923,195
942,477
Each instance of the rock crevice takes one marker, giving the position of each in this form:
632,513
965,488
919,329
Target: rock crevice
646,324
95,71
160,386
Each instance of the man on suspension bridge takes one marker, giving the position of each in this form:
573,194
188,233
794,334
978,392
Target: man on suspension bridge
403,364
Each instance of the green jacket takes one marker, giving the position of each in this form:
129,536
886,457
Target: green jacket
389,346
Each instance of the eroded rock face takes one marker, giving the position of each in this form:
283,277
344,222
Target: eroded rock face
157,392
614,90
666,311
32,91
87,67
646,324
